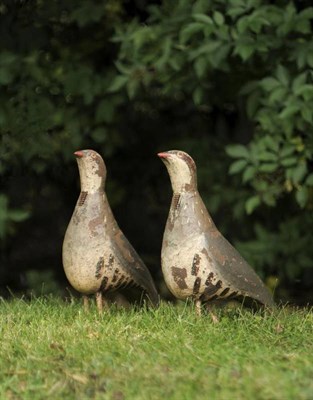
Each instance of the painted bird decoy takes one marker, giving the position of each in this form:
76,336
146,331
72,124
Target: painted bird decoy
197,261
97,257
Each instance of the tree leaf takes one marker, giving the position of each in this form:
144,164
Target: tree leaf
268,167
202,18
249,87
197,95
234,11
307,114
242,24
277,95
218,18
267,156
307,13
244,50
220,56
125,70
302,195
208,48
253,101
269,83
289,161
306,91
237,166
299,172
269,199
248,174
189,31
132,87
200,66
298,82
282,75
286,151
288,111
252,203
237,151
118,83
272,143
166,53
18,215
309,180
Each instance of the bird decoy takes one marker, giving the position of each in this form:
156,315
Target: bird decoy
197,261
97,257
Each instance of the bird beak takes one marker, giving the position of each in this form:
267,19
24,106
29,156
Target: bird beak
164,155
79,154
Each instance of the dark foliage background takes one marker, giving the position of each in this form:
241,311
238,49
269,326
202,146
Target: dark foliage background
230,82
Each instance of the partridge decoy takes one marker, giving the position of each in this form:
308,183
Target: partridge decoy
97,257
197,261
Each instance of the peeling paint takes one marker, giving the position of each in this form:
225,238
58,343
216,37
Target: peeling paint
180,275
99,268
104,283
224,292
195,265
209,279
211,289
110,262
175,203
196,286
82,198
95,226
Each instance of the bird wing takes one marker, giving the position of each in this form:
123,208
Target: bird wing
133,266
235,270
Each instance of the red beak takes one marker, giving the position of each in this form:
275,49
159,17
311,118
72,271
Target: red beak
79,154
163,155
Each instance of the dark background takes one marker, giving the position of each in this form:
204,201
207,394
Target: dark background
228,82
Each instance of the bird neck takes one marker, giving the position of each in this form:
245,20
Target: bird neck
183,179
186,193
89,181
181,185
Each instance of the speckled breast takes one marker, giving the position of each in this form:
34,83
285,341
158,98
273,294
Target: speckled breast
86,246
187,266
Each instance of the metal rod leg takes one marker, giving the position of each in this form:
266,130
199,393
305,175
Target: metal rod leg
86,303
99,302
198,307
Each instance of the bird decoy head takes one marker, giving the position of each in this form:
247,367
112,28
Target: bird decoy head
92,170
182,170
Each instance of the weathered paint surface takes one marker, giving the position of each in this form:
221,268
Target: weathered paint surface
197,261
179,276
96,254
88,246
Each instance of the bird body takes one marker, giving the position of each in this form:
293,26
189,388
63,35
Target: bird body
97,257
197,261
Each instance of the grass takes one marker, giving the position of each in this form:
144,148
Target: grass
54,350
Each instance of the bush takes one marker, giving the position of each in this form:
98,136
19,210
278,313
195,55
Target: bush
253,57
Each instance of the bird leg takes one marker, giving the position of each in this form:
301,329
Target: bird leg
99,302
214,317
86,303
198,307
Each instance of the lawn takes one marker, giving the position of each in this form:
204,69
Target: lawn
52,349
